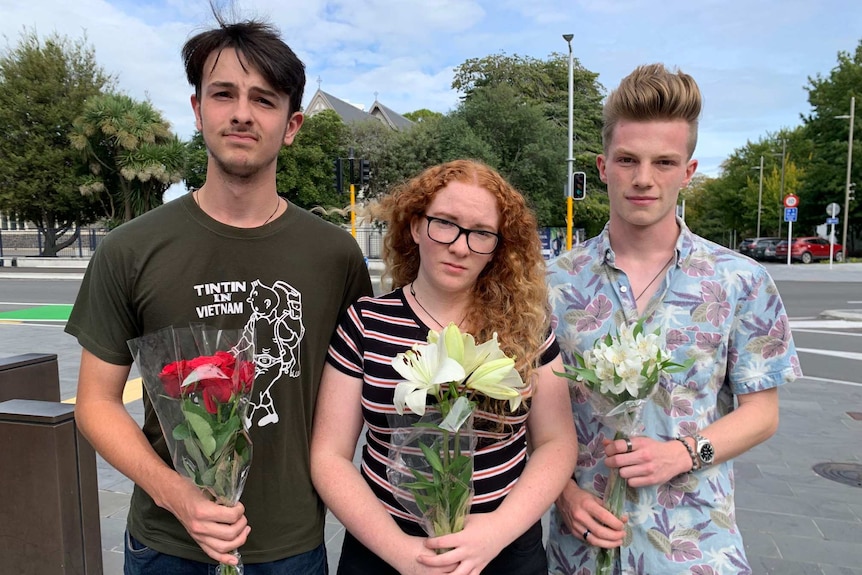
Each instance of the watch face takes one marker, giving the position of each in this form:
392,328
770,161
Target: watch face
706,452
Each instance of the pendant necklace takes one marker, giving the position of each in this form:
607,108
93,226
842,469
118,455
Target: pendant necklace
655,277
277,205
419,303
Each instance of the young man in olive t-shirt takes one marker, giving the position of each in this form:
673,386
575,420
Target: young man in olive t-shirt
233,253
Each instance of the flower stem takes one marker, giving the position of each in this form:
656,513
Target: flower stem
615,498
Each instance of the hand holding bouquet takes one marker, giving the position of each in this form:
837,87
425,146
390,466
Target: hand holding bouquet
199,381
620,375
432,463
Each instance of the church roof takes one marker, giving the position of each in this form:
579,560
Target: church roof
395,120
349,113
325,101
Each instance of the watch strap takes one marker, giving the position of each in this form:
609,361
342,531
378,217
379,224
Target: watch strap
695,462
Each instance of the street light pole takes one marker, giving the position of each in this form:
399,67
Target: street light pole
781,199
849,166
760,198
570,160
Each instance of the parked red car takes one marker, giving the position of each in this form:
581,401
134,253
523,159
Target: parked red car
809,249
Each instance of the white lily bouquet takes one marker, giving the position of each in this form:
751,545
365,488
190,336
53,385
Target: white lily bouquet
431,465
620,374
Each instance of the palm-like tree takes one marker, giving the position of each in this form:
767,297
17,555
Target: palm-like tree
132,153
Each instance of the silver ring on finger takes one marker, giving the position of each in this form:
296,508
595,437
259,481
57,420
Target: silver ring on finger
629,447
586,534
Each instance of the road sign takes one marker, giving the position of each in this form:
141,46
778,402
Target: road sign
790,214
833,210
791,201
832,221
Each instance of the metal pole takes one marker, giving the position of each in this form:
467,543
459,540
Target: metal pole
570,160
849,166
759,198
781,199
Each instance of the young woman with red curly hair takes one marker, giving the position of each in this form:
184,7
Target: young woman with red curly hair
461,247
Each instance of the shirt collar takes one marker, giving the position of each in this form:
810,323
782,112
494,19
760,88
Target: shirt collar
684,244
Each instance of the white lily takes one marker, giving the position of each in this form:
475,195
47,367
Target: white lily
424,368
498,379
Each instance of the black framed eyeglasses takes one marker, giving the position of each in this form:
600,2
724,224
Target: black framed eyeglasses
447,233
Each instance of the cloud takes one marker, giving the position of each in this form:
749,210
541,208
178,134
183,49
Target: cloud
752,59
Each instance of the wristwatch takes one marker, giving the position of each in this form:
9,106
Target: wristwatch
704,449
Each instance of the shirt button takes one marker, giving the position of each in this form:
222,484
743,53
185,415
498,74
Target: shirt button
624,289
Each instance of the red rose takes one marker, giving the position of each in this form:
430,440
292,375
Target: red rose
201,360
244,376
225,360
216,391
172,376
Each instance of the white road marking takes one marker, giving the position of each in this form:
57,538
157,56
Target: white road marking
826,380
828,352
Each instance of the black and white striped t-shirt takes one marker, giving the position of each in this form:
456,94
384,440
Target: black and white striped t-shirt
372,333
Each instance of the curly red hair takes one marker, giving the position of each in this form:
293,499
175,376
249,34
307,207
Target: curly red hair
510,295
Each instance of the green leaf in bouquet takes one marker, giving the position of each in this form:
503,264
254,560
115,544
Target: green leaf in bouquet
203,431
208,477
182,431
432,457
194,451
227,430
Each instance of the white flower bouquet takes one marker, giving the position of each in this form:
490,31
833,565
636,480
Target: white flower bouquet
431,465
620,374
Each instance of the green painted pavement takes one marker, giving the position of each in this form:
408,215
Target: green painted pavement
57,312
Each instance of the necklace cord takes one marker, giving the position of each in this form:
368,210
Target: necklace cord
655,277
419,303
277,205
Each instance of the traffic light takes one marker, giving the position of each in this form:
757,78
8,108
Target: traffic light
851,192
579,185
339,177
364,172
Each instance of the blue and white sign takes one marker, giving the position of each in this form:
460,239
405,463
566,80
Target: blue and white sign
832,221
790,214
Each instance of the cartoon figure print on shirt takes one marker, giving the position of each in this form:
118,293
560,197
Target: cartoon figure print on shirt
276,316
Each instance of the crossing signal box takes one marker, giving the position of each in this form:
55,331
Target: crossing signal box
364,171
579,185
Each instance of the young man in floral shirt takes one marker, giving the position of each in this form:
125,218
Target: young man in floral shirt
713,306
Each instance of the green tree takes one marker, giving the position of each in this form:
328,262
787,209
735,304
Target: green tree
825,181
519,106
132,154
530,151
306,169
546,84
422,115
195,173
43,87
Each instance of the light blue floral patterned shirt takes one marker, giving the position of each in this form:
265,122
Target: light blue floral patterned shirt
723,311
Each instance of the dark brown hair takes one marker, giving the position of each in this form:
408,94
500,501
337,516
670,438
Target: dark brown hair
260,46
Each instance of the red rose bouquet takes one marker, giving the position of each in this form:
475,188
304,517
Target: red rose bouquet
199,380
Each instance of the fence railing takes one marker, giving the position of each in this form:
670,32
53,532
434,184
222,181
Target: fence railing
23,243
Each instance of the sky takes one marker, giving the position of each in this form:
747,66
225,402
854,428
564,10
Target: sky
751,58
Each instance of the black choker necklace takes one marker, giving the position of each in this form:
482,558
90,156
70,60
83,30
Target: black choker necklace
419,303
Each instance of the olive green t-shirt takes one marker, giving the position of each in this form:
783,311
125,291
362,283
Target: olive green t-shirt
292,279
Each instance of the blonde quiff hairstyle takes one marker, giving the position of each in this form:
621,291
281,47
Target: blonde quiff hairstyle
652,92
510,295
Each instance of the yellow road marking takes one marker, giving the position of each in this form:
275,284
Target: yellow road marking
133,391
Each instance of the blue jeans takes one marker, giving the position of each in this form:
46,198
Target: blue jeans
141,560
